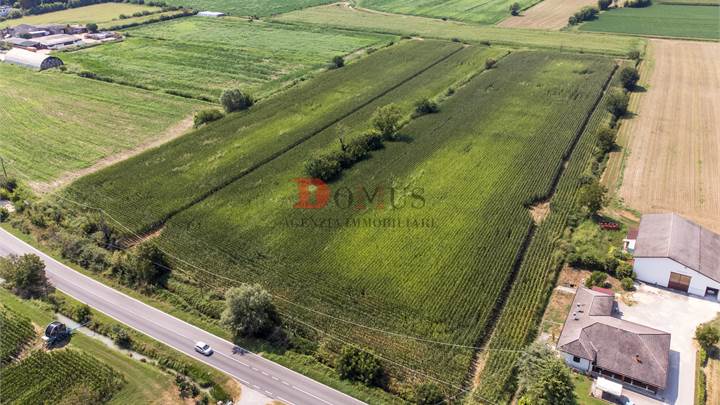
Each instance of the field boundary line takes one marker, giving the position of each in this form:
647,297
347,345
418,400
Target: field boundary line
288,148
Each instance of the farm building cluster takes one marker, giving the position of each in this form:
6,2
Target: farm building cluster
30,45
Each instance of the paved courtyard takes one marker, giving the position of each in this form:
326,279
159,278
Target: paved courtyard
679,315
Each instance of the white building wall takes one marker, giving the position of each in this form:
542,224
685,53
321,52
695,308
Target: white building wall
583,365
656,270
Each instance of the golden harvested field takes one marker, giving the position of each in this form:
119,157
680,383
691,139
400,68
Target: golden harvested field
674,141
549,14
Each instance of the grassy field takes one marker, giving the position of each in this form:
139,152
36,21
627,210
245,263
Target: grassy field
345,17
200,57
259,8
247,232
487,12
96,13
144,383
54,123
660,20
217,154
112,24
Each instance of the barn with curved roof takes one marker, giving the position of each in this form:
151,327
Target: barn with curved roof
32,60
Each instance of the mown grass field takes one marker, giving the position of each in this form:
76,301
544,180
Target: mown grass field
200,57
345,17
683,21
53,123
487,12
259,8
476,160
96,13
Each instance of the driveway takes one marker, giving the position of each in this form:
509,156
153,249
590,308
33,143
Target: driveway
679,315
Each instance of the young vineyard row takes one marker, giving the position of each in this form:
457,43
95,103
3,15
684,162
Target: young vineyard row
523,310
64,375
15,332
494,146
146,190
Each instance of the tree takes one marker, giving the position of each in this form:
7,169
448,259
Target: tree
150,267
596,279
634,54
553,386
429,394
515,8
337,62
357,365
629,77
25,276
91,27
490,63
235,100
707,335
249,311
617,103
606,139
604,4
387,120
426,106
325,168
531,362
592,197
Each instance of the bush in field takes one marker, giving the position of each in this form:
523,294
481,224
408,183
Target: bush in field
592,197
91,27
235,100
372,140
634,54
515,8
25,276
490,63
604,4
387,121
605,139
617,103
121,337
627,284
356,365
337,62
426,106
596,279
205,116
324,168
629,77
707,335
429,394
357,150
249,311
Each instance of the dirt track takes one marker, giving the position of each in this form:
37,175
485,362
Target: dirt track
674,141
548,14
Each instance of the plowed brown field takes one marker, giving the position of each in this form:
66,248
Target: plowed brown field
674,141
549,14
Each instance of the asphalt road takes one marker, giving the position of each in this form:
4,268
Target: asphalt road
254,372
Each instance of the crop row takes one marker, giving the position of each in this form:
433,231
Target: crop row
48,377
17,331
149,188
494,146
523,310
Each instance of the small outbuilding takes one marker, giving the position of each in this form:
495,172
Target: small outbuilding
32,60
673,252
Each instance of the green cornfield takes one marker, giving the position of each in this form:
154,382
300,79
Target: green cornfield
396,276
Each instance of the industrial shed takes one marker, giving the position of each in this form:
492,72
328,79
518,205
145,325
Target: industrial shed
673,252
32,60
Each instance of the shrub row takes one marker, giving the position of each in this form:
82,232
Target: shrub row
586,13
37,7
329,166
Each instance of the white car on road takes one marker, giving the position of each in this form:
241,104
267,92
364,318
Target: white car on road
203,348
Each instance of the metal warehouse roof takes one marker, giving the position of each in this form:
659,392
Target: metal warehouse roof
37,61
57,39
672,236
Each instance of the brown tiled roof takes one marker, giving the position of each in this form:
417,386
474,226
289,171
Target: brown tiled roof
672,236
613,344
